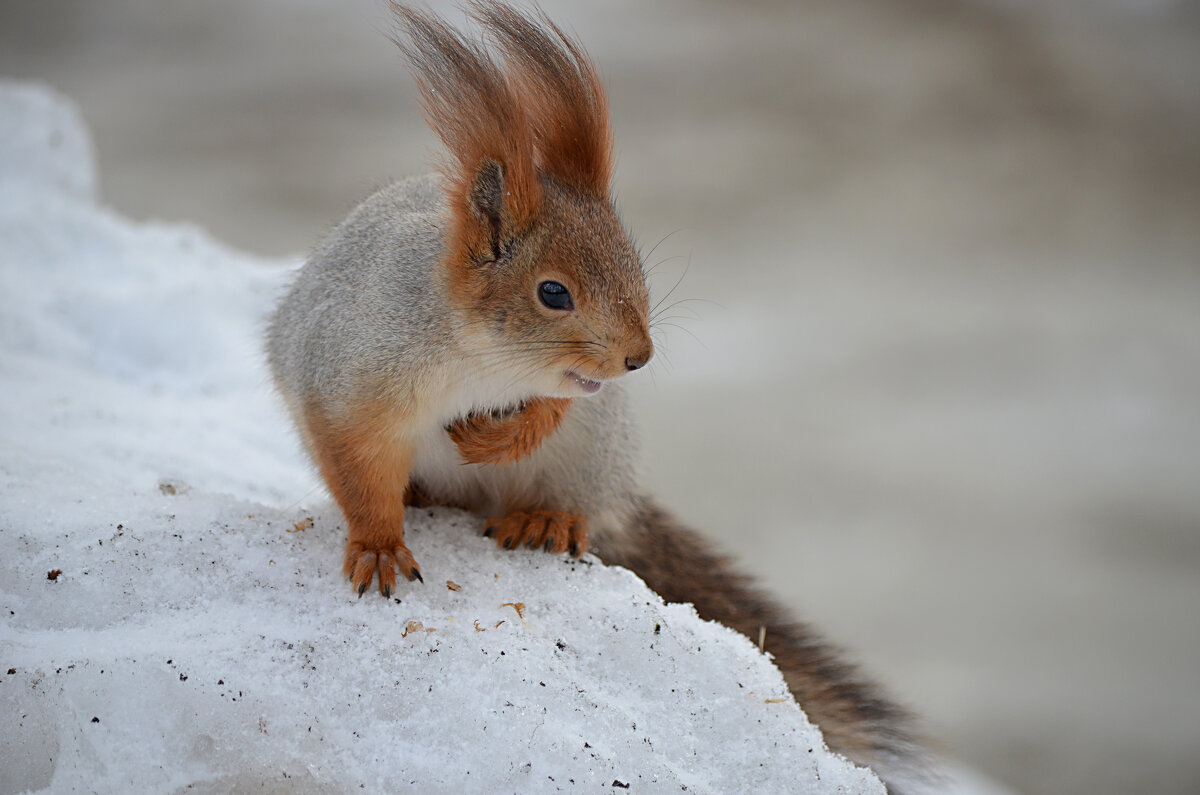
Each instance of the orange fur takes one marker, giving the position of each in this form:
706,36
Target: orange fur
473,107
554,531
484,439
542,113
366,465
561,87
526,182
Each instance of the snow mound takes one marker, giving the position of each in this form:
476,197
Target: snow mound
172,619
46,146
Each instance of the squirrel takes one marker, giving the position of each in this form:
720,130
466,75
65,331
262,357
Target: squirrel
459,339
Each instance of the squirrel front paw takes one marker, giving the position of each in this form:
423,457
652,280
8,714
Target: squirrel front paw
502,439
363,562
554,531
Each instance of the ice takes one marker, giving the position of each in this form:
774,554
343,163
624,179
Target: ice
174,614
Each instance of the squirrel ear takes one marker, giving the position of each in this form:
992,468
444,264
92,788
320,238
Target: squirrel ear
486,200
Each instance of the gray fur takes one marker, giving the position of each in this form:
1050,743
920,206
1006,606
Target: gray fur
370,307
368,312
367,301
370,321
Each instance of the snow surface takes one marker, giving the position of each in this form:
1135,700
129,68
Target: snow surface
171,619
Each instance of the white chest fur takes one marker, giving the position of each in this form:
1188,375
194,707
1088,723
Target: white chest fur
488,488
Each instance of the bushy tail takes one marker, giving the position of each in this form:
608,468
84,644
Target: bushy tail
855,718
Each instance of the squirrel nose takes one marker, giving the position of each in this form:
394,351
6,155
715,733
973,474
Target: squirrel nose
639,355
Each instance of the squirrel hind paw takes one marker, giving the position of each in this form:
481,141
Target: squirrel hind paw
554,531
362,564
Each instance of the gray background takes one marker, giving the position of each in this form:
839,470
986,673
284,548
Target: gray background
945,397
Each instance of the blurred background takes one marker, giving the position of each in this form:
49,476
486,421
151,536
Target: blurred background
941,386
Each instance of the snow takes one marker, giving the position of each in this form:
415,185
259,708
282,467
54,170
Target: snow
173,609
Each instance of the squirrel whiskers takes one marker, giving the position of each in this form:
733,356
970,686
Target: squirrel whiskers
459,340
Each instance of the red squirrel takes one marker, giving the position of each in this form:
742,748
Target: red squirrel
459,340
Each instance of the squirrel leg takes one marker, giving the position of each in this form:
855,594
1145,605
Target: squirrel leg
488,439
366,466
415,496
554,531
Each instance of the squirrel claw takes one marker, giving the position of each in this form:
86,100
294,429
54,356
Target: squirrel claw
363,564
553,531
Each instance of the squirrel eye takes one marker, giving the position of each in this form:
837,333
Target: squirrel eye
555,296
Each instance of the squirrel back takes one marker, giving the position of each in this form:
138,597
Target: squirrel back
458,339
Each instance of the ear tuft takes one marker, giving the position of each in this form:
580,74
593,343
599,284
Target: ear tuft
560,86
542,113
474,108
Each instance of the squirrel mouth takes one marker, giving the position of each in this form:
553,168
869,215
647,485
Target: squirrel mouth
586,384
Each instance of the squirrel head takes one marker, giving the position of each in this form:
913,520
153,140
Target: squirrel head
536,258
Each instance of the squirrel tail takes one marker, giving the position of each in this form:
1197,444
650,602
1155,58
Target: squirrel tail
855,718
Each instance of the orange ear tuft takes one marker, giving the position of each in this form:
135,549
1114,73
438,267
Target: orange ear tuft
560,88
477,113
